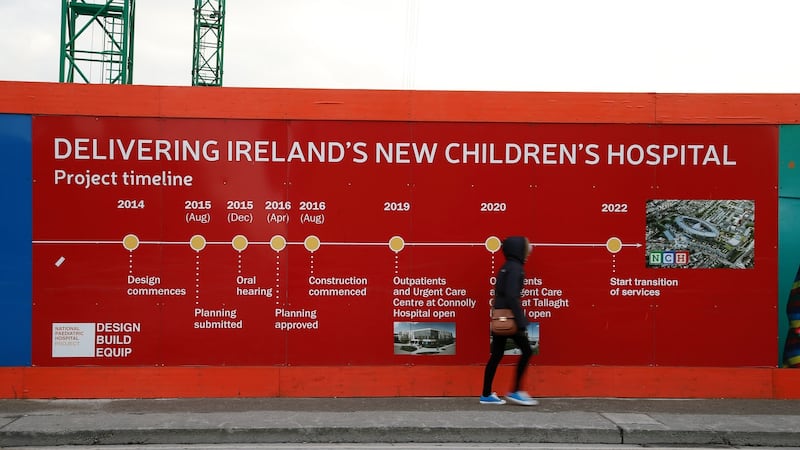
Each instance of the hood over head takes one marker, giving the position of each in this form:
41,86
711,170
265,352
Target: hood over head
516,247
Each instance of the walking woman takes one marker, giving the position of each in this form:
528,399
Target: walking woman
508,290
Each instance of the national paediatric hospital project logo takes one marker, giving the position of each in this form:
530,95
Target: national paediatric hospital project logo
700,234
94,339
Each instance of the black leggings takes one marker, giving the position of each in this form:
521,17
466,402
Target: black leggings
498,347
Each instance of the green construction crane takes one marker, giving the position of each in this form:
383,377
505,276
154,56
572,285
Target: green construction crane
209,33
97,41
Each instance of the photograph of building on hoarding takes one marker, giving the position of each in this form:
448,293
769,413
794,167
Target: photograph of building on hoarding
533,339
424,338
700,234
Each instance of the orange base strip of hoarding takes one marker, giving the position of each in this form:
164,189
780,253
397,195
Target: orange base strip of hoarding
394,381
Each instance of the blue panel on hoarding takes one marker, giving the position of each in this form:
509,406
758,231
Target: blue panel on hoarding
788,223
789,162
789,260
15,240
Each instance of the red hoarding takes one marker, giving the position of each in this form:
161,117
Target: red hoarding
272,242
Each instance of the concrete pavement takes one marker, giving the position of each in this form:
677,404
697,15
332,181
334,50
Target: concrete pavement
663,422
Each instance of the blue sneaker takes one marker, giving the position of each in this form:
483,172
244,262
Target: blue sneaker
492,399
521,398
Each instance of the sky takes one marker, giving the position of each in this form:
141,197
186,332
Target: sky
500,45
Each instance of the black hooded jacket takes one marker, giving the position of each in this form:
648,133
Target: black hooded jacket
511,278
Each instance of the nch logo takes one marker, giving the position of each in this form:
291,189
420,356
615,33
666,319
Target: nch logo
669,258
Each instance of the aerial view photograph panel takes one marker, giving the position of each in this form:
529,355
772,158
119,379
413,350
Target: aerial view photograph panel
700,234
